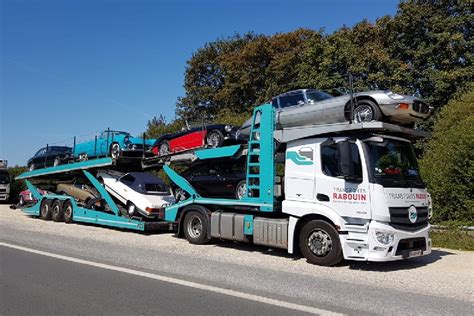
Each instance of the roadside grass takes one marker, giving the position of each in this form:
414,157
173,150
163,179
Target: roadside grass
452,238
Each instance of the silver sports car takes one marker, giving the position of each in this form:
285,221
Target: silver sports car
309,106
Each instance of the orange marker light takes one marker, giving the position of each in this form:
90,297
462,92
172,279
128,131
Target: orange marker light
403,106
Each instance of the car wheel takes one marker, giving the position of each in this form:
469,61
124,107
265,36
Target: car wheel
215,138
132,209
195,227
319,243
101,181
180,195
163,148
45,209
366,111
32,167
56,211
241,190
68,211
83,157
56,161
115,151
22,201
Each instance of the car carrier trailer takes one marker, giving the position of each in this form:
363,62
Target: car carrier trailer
341,191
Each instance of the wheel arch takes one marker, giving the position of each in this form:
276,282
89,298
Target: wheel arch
347,107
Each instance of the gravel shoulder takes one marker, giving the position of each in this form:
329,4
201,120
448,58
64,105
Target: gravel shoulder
445,274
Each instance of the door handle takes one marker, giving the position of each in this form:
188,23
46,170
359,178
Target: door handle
322,197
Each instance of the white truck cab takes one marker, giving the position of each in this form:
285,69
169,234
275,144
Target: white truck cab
4,181
368,186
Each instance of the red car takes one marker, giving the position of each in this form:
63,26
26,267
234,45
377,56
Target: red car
27,198
208,136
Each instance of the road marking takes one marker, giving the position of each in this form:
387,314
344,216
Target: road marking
210,288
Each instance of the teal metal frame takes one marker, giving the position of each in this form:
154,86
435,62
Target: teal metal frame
260,171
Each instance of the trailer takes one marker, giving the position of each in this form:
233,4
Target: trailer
332,192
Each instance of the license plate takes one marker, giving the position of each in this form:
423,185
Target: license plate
414,253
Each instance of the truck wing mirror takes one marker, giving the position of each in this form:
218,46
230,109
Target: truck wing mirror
345,160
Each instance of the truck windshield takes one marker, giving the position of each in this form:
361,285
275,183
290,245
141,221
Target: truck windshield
4,178
393,163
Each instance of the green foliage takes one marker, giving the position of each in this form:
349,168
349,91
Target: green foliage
447,165
452,238
16,186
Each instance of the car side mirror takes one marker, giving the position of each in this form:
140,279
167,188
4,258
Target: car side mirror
345,160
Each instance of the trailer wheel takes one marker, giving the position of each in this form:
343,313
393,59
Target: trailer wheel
45,209
319,243
67,211
56,211
195,227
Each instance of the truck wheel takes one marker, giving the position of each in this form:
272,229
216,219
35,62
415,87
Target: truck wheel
215,138
45,209
367,111
115,151
67,211
195,227
319,243
56,211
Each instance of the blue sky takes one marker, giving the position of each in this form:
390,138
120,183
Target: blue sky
75,67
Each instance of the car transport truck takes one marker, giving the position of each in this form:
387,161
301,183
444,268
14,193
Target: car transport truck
329,191
4,181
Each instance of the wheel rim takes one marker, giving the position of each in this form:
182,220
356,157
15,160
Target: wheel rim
44,209
213,140
115,151
131,210
241,191
180,196
83,157
320,243
363,113
56,162
21,200
68,212
55,210
164,149
194,227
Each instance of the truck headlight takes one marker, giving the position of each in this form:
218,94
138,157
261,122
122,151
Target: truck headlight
228,128
384,238
395,96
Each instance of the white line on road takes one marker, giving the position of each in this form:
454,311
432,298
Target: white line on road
250,297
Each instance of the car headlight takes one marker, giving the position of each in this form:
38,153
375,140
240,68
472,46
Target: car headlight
395,96
228,128
384,238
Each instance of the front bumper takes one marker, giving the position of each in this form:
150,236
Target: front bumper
364,246
4,196
403,115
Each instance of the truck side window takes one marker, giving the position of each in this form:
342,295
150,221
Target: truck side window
329,160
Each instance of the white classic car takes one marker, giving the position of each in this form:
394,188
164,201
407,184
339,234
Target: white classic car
141,192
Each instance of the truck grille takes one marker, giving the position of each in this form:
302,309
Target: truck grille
410,244
3,190
420,107
399,218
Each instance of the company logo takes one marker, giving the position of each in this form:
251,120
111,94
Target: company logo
303,158
412,214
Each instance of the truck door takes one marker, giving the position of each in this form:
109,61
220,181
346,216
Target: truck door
347,197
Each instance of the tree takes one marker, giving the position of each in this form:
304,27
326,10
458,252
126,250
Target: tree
448,161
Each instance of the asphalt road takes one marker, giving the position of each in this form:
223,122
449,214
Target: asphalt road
84,269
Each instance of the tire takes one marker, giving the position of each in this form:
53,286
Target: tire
83,157
22,201
195,227
131,209
319,243
45,209
68,211
32,167
367,111
215,138
115,151
57,211
163,148
57,161
179,194
241,190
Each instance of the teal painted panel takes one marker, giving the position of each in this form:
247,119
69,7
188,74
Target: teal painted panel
298,159
105,219
103,193
95,163
248,224
220,152
180,181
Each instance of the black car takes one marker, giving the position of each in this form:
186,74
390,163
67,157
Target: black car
50,156
225,179
214,135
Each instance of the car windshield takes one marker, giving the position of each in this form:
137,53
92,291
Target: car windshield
4,178
316,96
393,163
